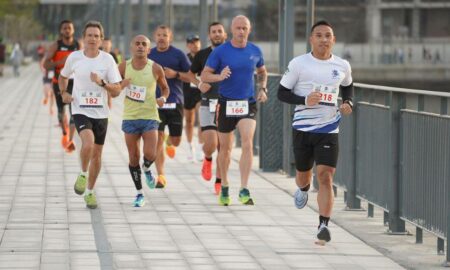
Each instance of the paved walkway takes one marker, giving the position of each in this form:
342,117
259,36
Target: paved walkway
45,225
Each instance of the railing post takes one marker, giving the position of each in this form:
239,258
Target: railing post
352,202
396,225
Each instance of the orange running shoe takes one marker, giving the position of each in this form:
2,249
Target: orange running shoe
206,169
70,147
170,151
64,140
217,187
161,181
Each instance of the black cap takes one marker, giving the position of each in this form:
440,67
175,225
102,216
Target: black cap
192,38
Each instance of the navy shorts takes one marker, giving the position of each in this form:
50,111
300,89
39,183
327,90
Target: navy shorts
139,126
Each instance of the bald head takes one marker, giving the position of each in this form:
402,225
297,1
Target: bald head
240,28
240,19
140,46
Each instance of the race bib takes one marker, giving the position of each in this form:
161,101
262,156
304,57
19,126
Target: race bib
136,93
89,99
213,105
237,107
50,74
169,106
328,94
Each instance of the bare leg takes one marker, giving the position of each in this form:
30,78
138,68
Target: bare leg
246,129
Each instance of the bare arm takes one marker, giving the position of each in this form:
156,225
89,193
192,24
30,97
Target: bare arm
48,63
172,74
63,82
158,73
112,88
261,80
209,76
202,86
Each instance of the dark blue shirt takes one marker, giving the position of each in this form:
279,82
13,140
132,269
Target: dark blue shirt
175,59
242,63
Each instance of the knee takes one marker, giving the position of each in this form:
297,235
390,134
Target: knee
150,155
96,156
175,141
247,145
325,178
87,146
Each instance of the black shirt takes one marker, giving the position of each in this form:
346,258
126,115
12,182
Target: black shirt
198,63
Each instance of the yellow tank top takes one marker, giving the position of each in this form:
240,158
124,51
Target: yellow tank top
140,95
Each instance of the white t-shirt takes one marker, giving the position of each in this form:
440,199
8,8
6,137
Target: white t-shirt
88,98
305,74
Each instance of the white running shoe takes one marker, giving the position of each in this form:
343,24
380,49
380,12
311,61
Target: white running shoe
300,198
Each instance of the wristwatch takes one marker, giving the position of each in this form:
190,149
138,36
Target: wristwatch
264,89
164,99
349,102
178,75
102,83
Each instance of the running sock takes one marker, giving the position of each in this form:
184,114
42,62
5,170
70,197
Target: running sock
218,180
83,173
208,158
324,220
89,191
147,164
306,188
139,192
136,176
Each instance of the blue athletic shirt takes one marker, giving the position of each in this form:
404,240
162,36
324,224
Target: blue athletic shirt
175,59
242,63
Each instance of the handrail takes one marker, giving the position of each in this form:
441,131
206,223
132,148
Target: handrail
402,90
393,89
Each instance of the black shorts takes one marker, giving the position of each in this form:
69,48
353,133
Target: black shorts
322,148
192,97
172,118
98,127
228,124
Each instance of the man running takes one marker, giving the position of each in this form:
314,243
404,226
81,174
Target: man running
233,64
140,112
54,60
175,64
210,96
313,81
192,98
95,75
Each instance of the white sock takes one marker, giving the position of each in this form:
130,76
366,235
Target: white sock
83,173
139,192
88,191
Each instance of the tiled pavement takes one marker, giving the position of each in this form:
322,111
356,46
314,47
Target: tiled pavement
45,225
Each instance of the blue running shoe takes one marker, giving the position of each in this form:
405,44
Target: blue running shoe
300,198
150,179
244,197
139,201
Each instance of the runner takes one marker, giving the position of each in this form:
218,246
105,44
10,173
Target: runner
232,64
192,98
95,75
175,64
313,81
55,60
210,95
140,113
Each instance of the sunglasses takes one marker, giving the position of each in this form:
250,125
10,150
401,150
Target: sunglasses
144,44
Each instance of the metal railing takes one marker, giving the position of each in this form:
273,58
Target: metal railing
394,153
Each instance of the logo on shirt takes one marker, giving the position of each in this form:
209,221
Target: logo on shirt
335,74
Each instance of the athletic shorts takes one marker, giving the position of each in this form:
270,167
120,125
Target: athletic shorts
173,118
139,126
191,98
226,124
98,126
207,118
322,148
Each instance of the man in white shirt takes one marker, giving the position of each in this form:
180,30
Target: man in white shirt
312,82
95,76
